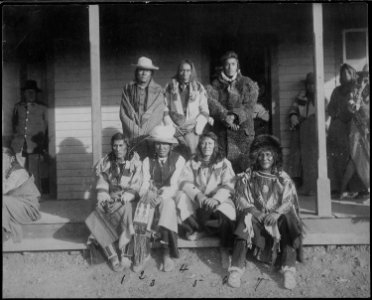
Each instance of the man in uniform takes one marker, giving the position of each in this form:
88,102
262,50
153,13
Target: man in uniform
30,134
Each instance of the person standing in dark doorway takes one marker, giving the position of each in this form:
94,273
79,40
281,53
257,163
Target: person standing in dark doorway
261,114
30,138
231,99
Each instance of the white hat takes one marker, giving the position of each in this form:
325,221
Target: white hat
163,134
145,63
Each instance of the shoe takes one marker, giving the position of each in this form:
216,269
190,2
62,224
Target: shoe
235,275
225,258
115,264
168,263
140,267
126,262
289,277
196,235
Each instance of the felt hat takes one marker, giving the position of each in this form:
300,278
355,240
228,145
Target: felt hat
163,134
145,63
266,141
31,85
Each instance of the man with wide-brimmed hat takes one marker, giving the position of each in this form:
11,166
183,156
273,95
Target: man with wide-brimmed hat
30,133
160,183
142,105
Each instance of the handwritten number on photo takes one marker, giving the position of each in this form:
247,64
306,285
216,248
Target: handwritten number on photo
122,279
152,282
184,267
142,276
196,281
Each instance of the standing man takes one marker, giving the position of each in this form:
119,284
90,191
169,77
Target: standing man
30,138
231,99
142,105
188,106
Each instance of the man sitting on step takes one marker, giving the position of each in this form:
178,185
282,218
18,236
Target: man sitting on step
118,182
160,177
20,197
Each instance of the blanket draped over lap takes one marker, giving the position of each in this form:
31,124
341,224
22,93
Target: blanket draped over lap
20,206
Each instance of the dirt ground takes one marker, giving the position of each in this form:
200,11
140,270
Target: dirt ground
341,271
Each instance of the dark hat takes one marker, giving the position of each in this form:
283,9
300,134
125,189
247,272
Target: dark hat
310,78
365,71
31,85
266,141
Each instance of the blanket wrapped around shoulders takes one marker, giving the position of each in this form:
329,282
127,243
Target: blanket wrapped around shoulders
20,206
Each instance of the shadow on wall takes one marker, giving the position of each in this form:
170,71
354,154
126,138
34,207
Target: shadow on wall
74,169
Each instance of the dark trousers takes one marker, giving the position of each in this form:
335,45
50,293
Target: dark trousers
214,223
289,242
168,241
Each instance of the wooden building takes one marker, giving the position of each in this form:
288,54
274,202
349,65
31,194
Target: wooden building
53,45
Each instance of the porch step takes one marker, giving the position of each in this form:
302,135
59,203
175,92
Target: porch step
62,227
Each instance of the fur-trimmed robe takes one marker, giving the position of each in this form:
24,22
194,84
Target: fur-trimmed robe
239,98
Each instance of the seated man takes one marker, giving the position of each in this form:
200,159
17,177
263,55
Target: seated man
204,200
268,213
20,197
118,182
160,175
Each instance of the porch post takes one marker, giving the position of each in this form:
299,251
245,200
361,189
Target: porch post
95,75
323,197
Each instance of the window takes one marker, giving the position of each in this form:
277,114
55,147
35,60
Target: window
355,47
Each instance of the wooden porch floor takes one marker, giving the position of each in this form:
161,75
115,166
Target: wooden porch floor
62,226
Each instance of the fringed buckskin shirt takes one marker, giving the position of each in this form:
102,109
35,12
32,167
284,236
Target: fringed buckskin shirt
266,192
114,176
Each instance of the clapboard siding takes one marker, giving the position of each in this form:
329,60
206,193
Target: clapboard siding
73,125
291,59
